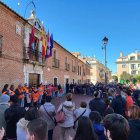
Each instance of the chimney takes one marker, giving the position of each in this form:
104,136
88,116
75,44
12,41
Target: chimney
121,55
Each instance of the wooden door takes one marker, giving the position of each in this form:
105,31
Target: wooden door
34,79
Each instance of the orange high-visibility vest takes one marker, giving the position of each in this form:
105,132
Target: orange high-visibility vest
4,92
41,90
35,97
20,92
11,93
26,89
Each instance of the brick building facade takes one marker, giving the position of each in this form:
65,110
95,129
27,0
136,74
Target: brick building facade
11,46
18,66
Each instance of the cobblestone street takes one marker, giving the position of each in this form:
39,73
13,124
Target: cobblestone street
76,99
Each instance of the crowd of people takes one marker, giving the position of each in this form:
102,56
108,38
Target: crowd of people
27,113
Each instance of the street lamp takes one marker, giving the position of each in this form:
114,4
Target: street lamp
105,41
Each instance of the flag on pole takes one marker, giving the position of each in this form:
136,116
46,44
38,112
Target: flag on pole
43,39
51,41
31,39
48,46
31,43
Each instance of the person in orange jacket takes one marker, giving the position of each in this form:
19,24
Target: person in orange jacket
27,99
26,88
5,89
35,96
11,90
40,90
19,93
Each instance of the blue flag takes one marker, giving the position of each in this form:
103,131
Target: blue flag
51,42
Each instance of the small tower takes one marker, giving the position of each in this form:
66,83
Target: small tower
32,17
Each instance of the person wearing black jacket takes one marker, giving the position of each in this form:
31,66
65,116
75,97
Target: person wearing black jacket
12,116
97,104
67,87
134,122
5,89
119,104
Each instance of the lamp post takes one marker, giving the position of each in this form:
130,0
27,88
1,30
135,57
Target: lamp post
105,41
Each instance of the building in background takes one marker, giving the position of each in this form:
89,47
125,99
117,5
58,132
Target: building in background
81,69
129,64
21,63
97,69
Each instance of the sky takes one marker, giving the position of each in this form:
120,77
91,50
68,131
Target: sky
80,25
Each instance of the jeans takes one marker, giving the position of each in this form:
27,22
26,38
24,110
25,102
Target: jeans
65,133
21,102
50,134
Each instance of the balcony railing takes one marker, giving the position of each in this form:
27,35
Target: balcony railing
84,73
73,69
67,66
133,68
30,54
56,63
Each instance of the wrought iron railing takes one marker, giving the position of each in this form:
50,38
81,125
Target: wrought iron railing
84,73
30,54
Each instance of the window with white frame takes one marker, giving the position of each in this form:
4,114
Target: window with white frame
55,81
132,58
133,72
123,65
133,66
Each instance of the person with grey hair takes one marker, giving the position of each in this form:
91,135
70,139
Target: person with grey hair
4,99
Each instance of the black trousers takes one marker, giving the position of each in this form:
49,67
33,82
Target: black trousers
50,134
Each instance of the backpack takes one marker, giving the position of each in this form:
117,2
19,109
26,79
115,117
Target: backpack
60,116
